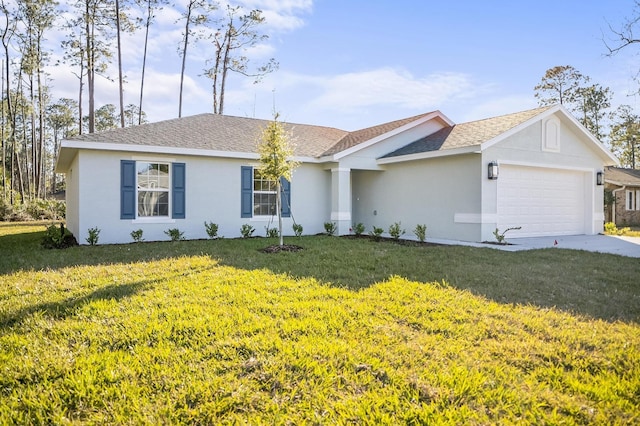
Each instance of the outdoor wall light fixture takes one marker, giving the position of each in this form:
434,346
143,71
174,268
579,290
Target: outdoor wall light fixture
600,178
493,170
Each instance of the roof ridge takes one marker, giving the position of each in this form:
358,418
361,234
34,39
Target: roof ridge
359,136
495,117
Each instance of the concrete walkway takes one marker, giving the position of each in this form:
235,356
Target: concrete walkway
624,246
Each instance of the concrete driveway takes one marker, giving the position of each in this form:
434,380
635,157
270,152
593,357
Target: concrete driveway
624,246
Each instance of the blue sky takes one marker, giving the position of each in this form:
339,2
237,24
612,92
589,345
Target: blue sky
353,64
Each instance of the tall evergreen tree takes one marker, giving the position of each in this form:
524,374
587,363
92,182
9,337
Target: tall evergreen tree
151,6
625,136
231,41
196,14
591,105
559,85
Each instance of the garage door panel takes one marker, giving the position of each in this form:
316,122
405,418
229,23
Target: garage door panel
542,201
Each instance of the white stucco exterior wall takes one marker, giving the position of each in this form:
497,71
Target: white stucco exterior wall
434,192
213,194
72,193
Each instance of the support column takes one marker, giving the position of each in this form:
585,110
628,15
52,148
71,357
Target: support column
341,199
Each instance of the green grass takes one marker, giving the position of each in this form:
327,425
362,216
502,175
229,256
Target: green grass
345,331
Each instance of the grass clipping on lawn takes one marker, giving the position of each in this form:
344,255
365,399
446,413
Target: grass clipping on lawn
190,341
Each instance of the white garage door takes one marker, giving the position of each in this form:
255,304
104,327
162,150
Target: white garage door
542,201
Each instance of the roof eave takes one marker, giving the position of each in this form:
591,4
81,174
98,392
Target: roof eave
473,149
69,148
152,149
65,158
620,183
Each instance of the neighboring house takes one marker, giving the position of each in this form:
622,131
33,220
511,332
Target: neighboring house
624,184
420,170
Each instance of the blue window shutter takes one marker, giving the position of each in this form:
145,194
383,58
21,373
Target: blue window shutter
178,191
285,197
247,192
127,189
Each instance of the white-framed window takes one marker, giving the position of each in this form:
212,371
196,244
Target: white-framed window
264,195
153,182
632,200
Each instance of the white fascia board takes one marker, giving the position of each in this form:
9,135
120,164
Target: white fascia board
429,154
149,149
368,143
617,183
595,142
101,146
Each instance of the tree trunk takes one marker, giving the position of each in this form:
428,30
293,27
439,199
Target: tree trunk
216,69
279,211
184,57
89,27
55,153
4,146
225,67
80,89
144,59
41,111
120,78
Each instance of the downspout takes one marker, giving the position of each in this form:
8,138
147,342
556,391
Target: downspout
615,202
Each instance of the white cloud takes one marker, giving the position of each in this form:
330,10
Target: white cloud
354,100
394,87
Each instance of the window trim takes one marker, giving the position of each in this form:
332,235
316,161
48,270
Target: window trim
129,190
631,200
247,192
168,190
255,176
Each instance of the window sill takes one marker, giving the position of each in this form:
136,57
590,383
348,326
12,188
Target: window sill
264,219
153,220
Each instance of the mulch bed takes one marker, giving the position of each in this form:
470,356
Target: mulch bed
278,248
402,242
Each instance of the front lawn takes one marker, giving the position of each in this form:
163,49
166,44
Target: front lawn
345,331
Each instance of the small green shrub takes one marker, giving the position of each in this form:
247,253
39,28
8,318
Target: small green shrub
247,230
94,234
421,232
272,232
174,234
40,209
358,229
137,235
212,229
297,229
500,238
376,233
58,237
396,231
330,228
610,228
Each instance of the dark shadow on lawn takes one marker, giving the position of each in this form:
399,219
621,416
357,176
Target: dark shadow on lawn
593,284
65,308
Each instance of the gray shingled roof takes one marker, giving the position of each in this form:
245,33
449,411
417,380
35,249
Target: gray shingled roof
622,176
467,134
217,132
352,139
237,134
